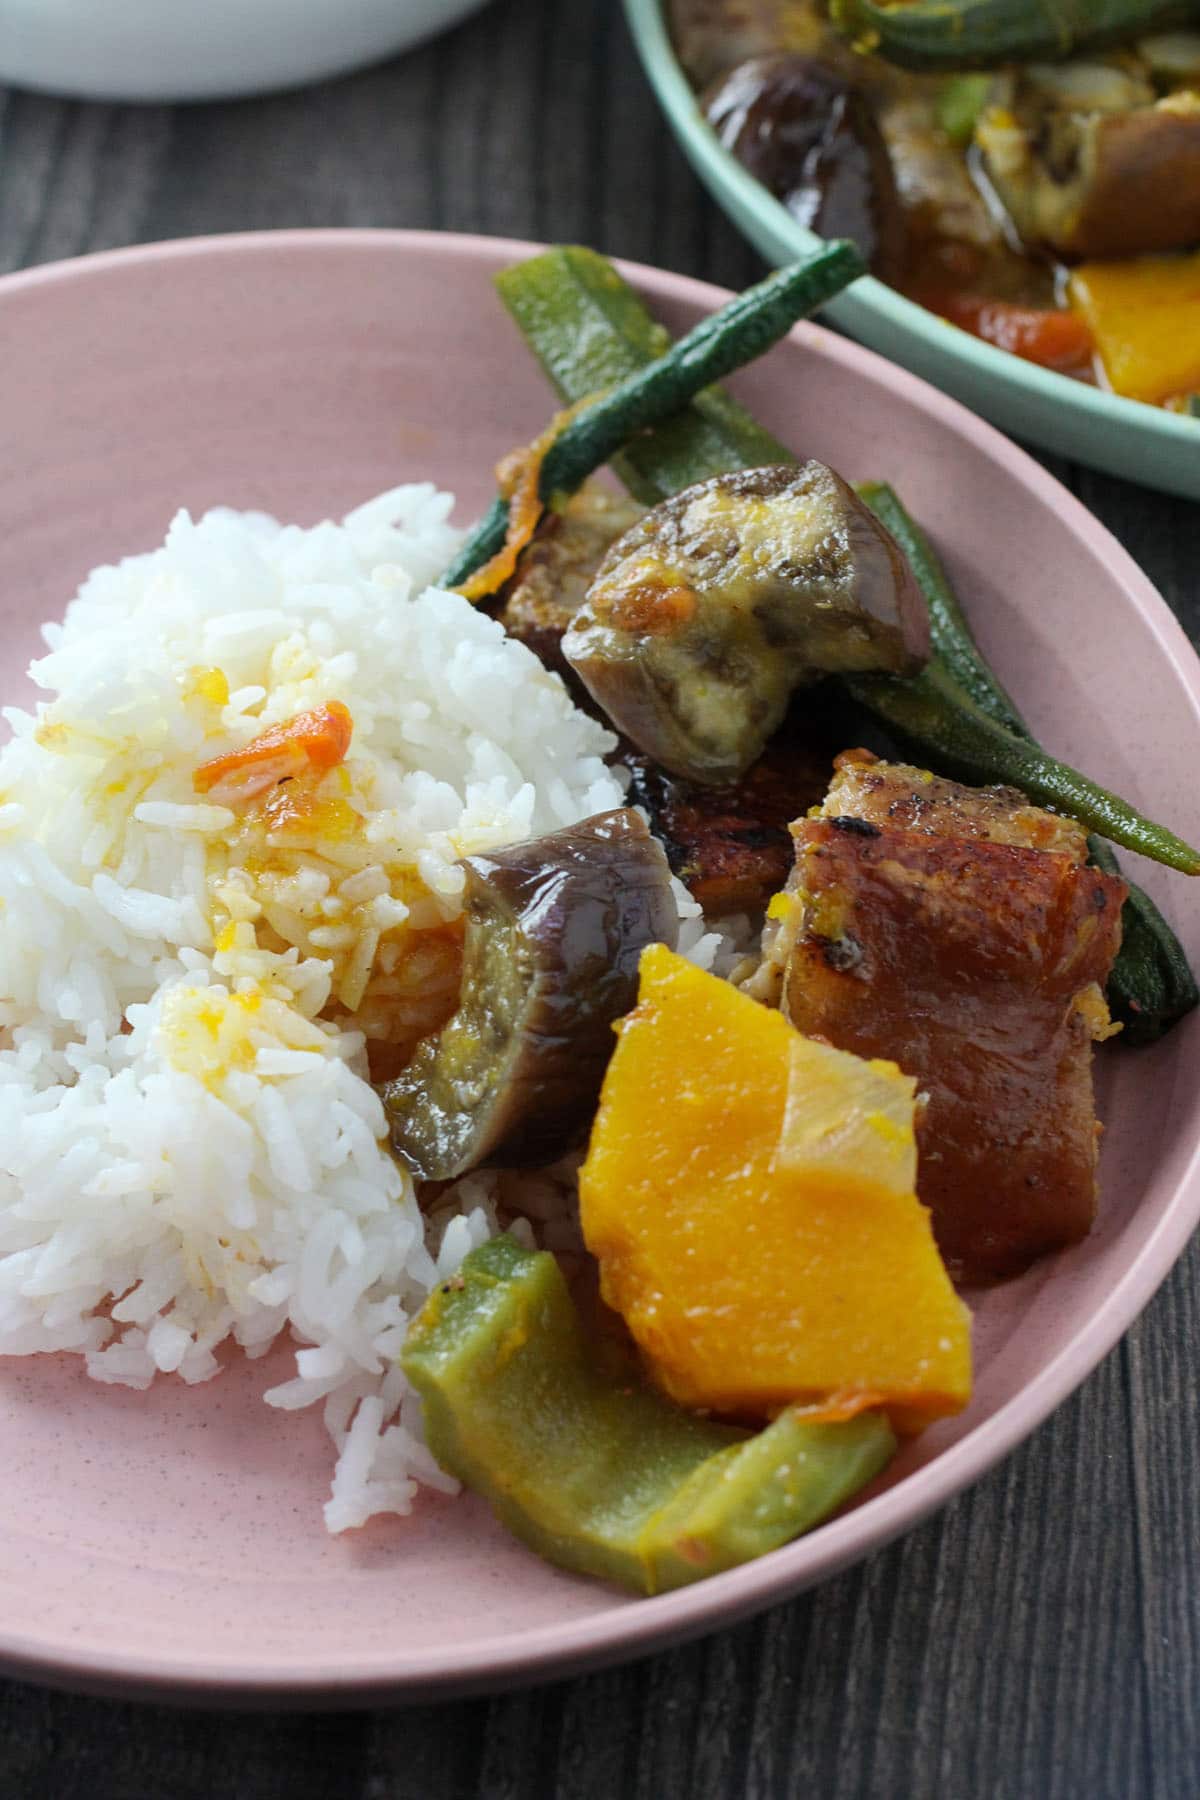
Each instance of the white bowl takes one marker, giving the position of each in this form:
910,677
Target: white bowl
177,50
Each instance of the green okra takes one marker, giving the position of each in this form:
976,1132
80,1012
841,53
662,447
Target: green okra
738,334
932,714
932,35
589,330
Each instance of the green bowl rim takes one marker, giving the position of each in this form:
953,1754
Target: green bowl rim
675,95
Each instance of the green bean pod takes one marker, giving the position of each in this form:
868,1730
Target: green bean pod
588,330
738,334
947,35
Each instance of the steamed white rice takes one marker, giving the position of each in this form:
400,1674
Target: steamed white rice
190,1151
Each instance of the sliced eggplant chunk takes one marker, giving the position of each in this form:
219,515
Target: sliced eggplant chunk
554,931
706,615
808,133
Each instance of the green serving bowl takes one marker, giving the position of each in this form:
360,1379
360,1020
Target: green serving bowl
1121,436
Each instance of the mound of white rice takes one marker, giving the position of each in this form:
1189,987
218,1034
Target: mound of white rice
190,1151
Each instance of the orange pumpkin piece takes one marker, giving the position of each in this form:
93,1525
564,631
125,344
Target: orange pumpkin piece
749,1195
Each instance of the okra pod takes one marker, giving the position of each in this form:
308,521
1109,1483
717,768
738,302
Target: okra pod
589,330
946,35
738,334
948,626
932,714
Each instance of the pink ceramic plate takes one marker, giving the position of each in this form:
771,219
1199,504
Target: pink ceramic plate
173,1542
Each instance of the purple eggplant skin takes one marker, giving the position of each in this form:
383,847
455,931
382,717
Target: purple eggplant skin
555,928
810,136
705,617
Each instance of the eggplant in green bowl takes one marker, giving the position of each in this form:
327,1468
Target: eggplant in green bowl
1030,205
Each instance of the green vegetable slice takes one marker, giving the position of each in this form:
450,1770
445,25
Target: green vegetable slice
591,1468
739,333
589,330
984,34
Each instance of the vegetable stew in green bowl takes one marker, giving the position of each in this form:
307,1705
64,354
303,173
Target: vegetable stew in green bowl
994,193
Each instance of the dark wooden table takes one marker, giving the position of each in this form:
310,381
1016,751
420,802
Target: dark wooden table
1040,1640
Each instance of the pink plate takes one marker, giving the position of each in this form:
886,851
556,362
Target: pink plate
172,1542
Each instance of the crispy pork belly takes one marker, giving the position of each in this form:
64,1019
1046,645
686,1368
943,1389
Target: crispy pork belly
931,927
909,799
731,846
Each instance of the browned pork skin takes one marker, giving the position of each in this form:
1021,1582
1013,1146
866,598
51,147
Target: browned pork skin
959,933
731,846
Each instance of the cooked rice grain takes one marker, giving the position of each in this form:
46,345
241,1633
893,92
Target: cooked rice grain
189,1150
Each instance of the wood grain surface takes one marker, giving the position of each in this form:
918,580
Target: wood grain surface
1041,1637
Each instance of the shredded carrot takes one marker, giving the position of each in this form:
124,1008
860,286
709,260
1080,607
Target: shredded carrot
316,741
518,476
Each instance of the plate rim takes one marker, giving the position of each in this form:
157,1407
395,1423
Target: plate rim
1097,407
633,1628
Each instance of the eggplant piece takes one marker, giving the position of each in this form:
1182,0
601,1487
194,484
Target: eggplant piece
1088,164
706,615
810,136
554,931
556,568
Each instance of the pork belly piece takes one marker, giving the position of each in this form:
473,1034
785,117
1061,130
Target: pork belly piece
932,935
555,571
732,846
906,798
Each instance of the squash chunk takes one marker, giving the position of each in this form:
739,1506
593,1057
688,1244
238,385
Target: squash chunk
748,1194
1145,317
